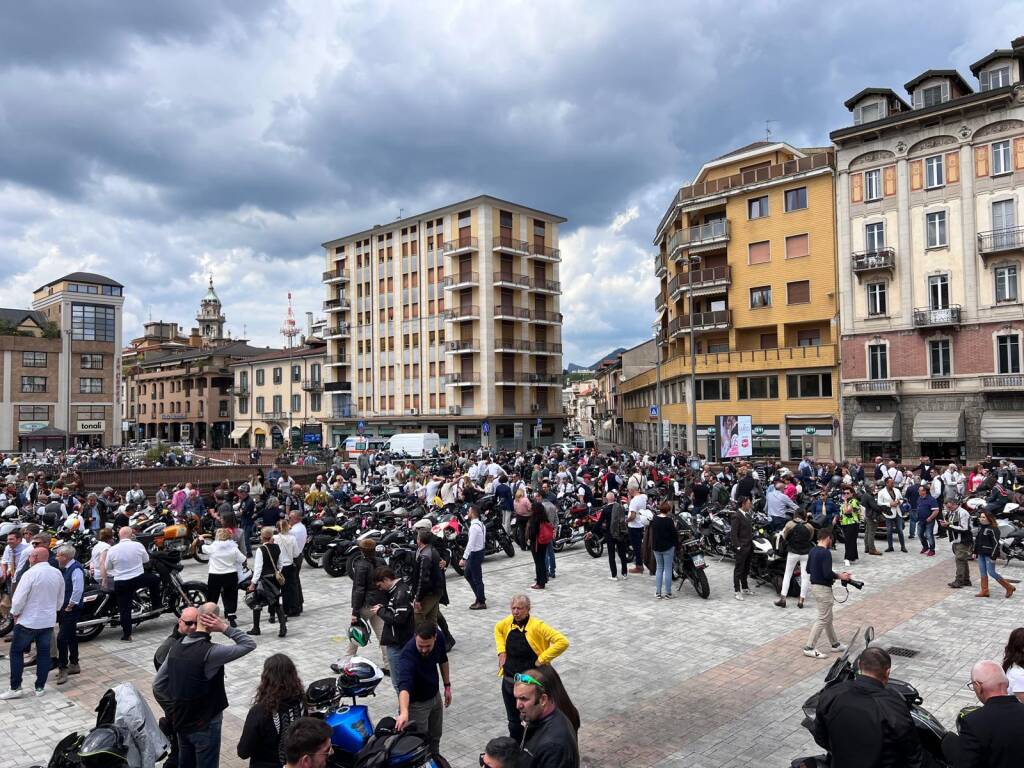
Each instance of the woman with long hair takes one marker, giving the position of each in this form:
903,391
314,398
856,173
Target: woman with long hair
222,573
265,563
1013,662
538,528
279,701
986,547
289,554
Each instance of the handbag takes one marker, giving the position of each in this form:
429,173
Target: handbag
278,576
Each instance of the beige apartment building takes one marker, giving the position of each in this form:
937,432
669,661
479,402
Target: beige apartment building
60,366
447,321
279,397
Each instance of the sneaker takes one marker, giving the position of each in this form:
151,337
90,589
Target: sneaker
846,563
931,553
74,669
739,596
14,693
62,676
838,648
658,596
748,591
668,596
40,692
813,653
623,577
614,578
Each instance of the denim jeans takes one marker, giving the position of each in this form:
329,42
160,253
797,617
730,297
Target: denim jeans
896,524
393,653
201,749
475,575
986,569
913,524
663,574
926,531
23,638
549,559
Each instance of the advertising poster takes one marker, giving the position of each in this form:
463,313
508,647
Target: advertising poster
734,436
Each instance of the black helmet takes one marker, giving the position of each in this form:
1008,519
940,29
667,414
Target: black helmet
104,747
321,695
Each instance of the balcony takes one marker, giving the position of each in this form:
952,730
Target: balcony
462,280
339,332
505,312
337,360
702,322
336,275
999,241
344,413
460,245
545,286
510,245
519,378
543,316
1006,382
512,345
880,260
698,239
937,318
873,388
701,282
463,346
273,415
510,280
660,265
241,390
544,253
313,385
462,379
465,312
659,304
336,305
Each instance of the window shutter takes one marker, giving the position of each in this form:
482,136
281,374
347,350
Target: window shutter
798,292
760,253
945,90
916,174
1018,153
983,81
797,246
856,187
980,162
952,167
918,99
857,116
889,180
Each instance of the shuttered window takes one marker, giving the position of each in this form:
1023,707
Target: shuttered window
798,292
797,246
760,253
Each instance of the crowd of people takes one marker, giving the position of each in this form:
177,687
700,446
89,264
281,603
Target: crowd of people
256,534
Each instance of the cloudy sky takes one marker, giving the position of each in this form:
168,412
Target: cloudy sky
160,142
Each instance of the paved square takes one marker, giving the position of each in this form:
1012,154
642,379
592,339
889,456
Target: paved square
685,682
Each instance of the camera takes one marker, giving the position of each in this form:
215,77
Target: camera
856,584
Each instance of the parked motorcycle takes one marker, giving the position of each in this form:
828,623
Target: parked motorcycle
689,563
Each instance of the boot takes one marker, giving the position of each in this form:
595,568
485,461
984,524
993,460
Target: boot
255,624
1010,589
282,621
983,592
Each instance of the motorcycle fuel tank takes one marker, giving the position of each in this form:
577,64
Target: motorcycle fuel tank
350,728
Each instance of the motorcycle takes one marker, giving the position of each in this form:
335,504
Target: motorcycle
572,526
689,561
766,565
715,528
928,728
99,608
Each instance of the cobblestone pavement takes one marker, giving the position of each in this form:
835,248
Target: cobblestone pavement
685,682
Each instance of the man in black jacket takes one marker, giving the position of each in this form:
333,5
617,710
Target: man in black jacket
186,625
989,736
426,579
365,595
550,737
741,536
395,611
864,724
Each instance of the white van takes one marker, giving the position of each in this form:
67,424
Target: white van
415,444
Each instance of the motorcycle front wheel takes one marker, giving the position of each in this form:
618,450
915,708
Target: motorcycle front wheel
335,562
6,624
88,633
701,584
558,545
196,593
595,547
508,546
313,559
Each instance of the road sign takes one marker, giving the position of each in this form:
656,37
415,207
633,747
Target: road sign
517,430
711,431
654,411
486,427
540,421
361,426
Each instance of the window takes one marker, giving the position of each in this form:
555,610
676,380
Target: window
33,359
757,207
798,292
761,297
998,77
90,322
938,292
1006,283
809,385
33,383
797,246
1008,349
1004,221
90,386
935,227
277,376
878,361
314,372
33,413
712,389
91,412
796,199
278,406
315,402
808,338
873,185
878,299
260,405
933,172
931,96
243,405
94,362
874,236
939,357
296,403
867,113
1001,161
757,387
759,253
296,373
260,377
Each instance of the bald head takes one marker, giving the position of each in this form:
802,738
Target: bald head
208,609
38,555
989,680
125,533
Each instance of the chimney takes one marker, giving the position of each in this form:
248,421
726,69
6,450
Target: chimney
309,324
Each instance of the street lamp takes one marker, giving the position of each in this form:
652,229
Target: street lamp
656,329
694,263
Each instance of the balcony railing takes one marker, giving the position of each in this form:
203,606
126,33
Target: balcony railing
539,284
519,377
333,305
660,265
313,385
273,415
456,313
516,313
335,275
337,360
875,387
870,261
472,377
539,251
931,318
461,244
703,236
241,390
543,316
659,303
702,321
344,413
502,243
464,278
338,332
1001,240
463,345
701,279
509,278
1004,381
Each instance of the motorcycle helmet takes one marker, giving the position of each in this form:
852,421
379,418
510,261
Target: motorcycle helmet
359,632
11,512
104,747
358,676
322,694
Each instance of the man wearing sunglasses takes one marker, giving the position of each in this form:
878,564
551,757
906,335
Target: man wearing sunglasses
186,625
550,737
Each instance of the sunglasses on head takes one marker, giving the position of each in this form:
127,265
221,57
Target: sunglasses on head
528,680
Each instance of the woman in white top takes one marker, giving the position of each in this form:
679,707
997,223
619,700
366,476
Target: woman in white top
222,577
255,487
99,552
289,554
1013,662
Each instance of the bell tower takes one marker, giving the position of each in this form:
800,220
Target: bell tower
210,319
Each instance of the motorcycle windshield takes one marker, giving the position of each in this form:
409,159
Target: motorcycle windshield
853,649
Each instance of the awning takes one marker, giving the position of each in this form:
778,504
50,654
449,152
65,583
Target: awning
869,427
259,431
938,427
1002,427
238,433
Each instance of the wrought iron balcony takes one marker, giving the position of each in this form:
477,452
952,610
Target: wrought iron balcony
510,279
935,318
510,245
463,345
460,245
462,379
466,312
880,259
313,385
335,275
461,280
998,241
546,253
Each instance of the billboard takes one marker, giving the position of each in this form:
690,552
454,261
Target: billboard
734,436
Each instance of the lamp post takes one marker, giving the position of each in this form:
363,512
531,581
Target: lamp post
694,262
657,390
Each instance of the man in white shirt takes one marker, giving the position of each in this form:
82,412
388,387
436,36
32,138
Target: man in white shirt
125,563
636,520
473,557
36,602
889,500
300,534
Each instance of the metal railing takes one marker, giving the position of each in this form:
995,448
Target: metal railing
336,360
926,317
543,316
454,313
461,244
519,313
660,264
545,252
463,345
701,320
341,330
881,258
336,304
463,278
462,378
511,244
998,240
335,274
714,232
313,385
511,278
542,284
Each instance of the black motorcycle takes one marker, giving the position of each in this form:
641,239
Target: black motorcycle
929,729
99,607
689,563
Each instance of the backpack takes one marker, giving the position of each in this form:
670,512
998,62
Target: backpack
621,530
545,533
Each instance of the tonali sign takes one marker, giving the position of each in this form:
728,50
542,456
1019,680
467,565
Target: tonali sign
91,426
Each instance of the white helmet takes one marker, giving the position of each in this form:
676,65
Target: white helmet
11,512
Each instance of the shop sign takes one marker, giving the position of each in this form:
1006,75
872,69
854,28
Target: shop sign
96,425
25,427
758,430
810,430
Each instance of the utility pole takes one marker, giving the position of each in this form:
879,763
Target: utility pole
694,261
290,330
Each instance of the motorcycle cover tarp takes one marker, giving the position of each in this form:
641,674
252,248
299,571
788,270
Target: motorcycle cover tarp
147,743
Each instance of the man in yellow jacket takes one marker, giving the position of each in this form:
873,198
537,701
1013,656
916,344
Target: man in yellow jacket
523,642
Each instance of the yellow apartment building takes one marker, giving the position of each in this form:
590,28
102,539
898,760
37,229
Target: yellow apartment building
746,260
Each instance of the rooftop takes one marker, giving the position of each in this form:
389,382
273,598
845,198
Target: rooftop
231,349
17,316
947,73
83,277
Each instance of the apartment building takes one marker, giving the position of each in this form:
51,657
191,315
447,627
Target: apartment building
60,366
447,321
279,397
746,260
930,191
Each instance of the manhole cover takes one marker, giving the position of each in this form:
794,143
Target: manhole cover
905,652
